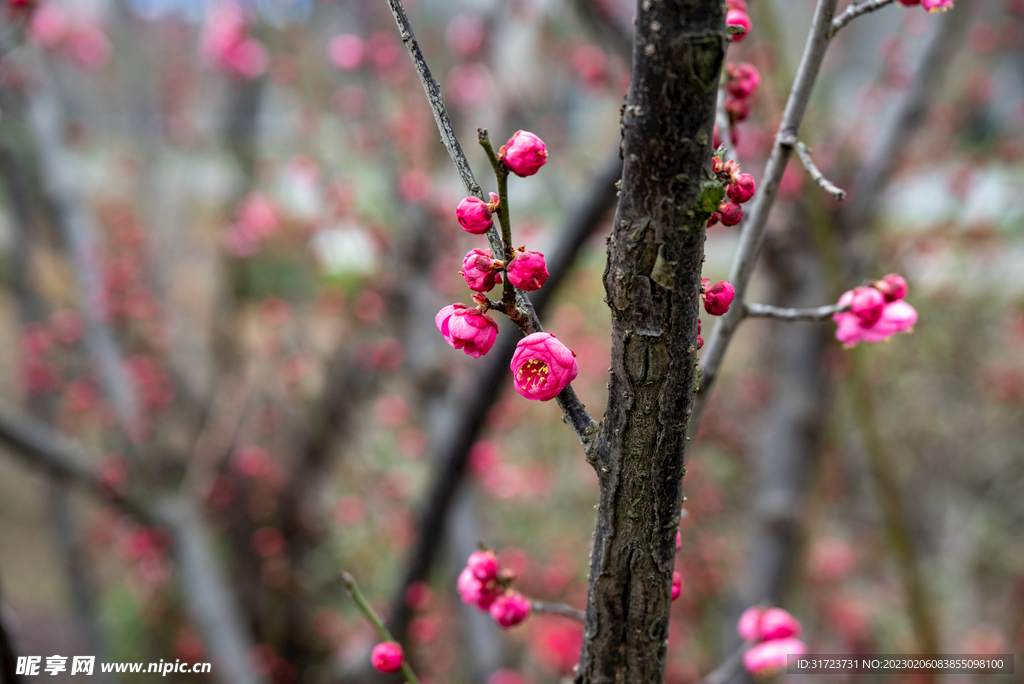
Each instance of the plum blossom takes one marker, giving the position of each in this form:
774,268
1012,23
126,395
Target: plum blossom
467,329
524,153
542,366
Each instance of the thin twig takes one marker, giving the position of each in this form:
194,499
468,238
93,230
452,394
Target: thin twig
728,669
562,609
820,313
753,230
371,615
855,10
804,153
582,423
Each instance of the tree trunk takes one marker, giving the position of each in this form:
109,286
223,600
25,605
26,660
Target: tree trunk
653,283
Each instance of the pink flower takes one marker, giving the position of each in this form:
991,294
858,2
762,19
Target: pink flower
677,585
896,317
474,215
484,565
736,17
346,51
509,609
867,304
749,624
524,153
480,270
937,5
742,79
742,190
470,589
542,366
730,213
387,656
777,623
769,657
467,329
893,286
718,297
527,270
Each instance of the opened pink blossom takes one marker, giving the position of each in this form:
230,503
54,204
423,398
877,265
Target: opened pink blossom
527,270
524,153
467,329
542,366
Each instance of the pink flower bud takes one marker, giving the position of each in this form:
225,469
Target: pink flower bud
893,286
387,656
777,623
769,658
737,17
742,79
737,108
677,585
749,624
527,270
542,366
479,270
484,565
897,317
731,213
718,297
524,153
509,609
743,189
474,215
467,329
867,304
937,5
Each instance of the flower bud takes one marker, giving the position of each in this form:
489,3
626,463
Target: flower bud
484,565
867,304
777,623
542,366
731,213
466,329
742,190
749,624
718,297
893,286
677,585
737,17
737,108
524,153
527,270
479,270
742,79
509,609
474,215
387,656
769,657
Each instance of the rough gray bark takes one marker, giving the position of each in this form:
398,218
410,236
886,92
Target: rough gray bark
652,279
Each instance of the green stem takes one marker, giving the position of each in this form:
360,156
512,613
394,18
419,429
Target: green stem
371,615
508,294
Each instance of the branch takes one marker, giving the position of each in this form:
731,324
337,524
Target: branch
581,422
371,615
804,153
753,231
821,313
854,11
732,666
562,609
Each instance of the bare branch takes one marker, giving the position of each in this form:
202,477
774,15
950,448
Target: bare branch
562,609
804,153
576,414
728,669
856,10
753,230
821,313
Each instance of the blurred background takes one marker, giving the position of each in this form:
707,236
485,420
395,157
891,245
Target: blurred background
226,229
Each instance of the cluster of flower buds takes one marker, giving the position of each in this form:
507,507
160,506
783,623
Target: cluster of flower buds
774,632
717,298
930,5
876,312
542,366
482,583
740,188
387,656
741,82
736,15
